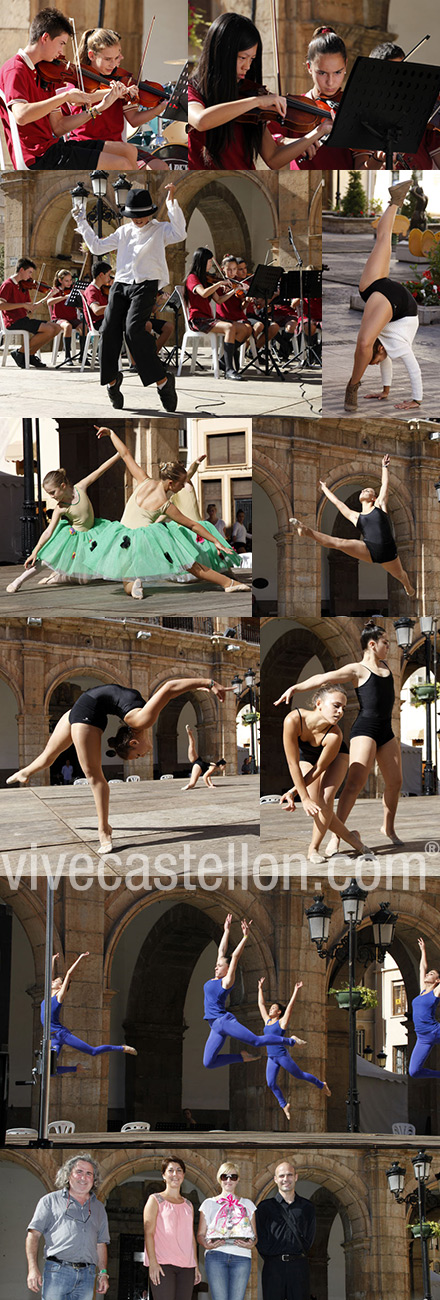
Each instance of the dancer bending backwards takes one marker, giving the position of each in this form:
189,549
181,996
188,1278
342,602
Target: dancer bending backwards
141,270
318,759
424,1019
222,1023
62,1037
169,547
390,320
83,727
277,1018
372,737
200,767
377,545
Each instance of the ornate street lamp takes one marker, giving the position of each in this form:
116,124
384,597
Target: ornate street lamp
404,633
121,189
396,1182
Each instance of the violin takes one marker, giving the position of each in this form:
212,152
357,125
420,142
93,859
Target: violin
303,114
60,71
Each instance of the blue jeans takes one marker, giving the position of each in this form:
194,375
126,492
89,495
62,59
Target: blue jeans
60,1281
228,1275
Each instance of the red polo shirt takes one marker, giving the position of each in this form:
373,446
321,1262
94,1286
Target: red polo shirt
14,293
95,297
107,126
19,83
234,156
197,306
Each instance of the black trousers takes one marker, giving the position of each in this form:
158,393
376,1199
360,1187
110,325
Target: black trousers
129,308
287,1280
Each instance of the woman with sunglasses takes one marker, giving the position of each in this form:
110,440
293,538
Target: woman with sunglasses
228,1233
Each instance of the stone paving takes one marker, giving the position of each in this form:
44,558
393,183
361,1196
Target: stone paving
67,392
156,828
108,599
417,823
345,257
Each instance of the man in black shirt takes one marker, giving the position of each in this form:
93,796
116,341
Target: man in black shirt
286,1225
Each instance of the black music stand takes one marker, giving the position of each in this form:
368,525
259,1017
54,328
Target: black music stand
264,284
174,302
74,300
385,106
306,284
177,107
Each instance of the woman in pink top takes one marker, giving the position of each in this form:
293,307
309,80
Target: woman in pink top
170,1248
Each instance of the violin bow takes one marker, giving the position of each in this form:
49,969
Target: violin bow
40,277
144,54
276,56
76,55
416,47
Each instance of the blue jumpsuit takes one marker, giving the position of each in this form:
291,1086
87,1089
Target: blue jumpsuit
278,1058
222,1024
62,1037
428,1033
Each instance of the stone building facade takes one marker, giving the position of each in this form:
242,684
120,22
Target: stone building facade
288,462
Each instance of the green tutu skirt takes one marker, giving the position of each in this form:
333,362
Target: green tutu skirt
112,551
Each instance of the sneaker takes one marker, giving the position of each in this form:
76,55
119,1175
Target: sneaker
114,392
37,363
167,394
18,357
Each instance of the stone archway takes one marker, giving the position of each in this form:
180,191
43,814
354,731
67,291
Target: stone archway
61,695
346,572
166,730
283,665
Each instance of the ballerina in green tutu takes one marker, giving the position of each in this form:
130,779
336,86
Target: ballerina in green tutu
153,541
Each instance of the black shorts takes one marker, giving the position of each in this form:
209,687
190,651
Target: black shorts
377,729
72,155
158,324
29,324
202,324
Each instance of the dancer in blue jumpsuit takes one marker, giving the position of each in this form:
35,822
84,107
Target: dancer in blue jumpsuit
427,1028
222,1023
62,1037
276,1021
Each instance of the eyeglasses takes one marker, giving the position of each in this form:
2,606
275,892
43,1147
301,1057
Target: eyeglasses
76,1211
229,1178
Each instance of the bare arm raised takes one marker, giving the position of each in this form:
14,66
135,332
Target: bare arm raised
229,978
67,978
349,673
352,515
382,499
133,468
97,473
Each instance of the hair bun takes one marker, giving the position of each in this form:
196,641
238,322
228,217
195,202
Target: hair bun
323,31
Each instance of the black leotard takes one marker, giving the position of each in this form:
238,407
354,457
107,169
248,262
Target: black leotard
376,532
376,699
398,296
95,705
201,762
310,753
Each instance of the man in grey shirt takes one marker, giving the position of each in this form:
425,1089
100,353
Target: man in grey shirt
75,1229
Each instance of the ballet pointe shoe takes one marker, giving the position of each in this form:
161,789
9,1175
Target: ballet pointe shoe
130,1051
391,836
236,586
351,397
137,590
398,192
286,1110
316,858
332,846
105,842
17,778
246,1056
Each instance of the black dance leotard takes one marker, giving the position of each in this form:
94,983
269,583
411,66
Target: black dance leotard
398,296
376,532
310,753
201,762
95,705
376,699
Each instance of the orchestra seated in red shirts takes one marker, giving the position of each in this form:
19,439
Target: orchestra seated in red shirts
200,288
94,293
64,313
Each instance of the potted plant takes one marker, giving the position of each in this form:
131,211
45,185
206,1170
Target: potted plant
361,996
430,1228
424,693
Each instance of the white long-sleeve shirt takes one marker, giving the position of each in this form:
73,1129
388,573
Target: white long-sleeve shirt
397,338
140,250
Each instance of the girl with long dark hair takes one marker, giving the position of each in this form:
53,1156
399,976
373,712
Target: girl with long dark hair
231,54
199,293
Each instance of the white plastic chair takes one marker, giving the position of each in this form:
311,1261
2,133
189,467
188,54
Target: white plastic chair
133,778
250,346
81,780
167,777
20,163
11,336
22,1132
57,344
192,340
402,1128
270,798
136,1126
116,780
60,1126
93,336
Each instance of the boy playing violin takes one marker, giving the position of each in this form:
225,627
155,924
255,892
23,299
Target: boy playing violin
17,312
37,109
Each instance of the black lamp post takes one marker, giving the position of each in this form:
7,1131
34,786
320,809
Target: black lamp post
396,1182
251,717
383,922
427,626
29,518
121,189
99,186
